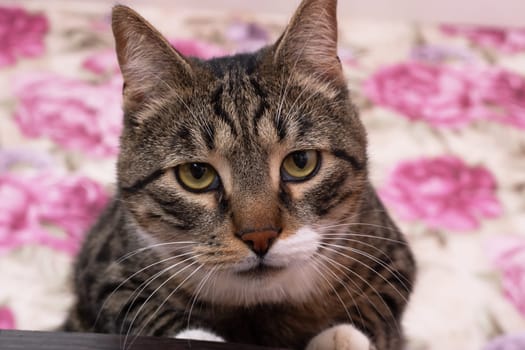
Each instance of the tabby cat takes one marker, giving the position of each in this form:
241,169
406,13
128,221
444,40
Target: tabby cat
243,205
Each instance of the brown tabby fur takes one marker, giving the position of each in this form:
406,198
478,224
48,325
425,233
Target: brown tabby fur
162,259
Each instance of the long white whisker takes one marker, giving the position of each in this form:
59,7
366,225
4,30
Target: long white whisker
367,267
140,250
318,269
144,285
336,263
130,277
341,282
346,234
199,288
374,259
345,239
151,296
165,299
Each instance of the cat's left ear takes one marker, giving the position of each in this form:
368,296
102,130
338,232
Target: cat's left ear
149,64
309,43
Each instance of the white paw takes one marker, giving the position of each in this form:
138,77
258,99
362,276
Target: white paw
199,334
343,337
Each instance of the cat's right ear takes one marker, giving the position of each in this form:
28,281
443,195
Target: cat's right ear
149,64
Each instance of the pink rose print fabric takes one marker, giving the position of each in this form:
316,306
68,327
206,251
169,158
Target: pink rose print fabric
449,97
21,34
507,253
442,192
502,95
443,106
33,206
75,114
247,36
197,48
102,62
507,40
438,95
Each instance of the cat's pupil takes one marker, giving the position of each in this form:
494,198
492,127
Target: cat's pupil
300,159
197,170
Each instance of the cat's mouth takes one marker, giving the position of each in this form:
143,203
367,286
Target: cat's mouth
260,269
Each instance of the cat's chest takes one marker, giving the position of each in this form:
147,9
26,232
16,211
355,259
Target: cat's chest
292,326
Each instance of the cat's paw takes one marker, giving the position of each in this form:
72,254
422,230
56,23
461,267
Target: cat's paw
342,337
199,334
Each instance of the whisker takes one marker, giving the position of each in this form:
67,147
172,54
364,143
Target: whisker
164,301
336,263
144,285
140,250
374,259
382,252
318,269
129,278
349,224
366,266
351,234
199,288
341,282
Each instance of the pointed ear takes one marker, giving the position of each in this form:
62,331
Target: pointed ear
149,64
309,43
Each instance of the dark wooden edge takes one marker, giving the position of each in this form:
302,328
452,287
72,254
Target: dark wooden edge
33,340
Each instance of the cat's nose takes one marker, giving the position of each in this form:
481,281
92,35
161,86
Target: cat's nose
259,241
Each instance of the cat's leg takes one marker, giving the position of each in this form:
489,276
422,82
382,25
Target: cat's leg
342,337
199,334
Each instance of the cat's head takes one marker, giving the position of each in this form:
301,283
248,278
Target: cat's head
240,163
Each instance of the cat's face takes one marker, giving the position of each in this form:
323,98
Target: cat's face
240,164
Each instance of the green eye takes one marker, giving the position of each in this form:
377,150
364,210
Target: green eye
300,166
197,177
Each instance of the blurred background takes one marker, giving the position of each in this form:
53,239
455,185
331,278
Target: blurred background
441,89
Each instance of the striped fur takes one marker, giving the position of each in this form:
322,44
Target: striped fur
162,259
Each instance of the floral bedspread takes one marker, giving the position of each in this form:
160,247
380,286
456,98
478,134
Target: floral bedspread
444,106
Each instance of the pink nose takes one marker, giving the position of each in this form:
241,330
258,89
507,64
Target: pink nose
259,241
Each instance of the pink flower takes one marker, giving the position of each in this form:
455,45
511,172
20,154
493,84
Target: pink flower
507,40
438,95
7,319
247,36
197,48
75,114
507,253
21,34
34,207
71,202
102,62
442,192
446,96
502,95
19,212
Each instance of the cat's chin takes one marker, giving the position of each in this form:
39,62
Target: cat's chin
263,284
260,270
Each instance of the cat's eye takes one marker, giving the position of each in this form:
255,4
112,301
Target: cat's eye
197,177
300,166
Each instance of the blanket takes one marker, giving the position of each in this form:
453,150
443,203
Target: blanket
444,106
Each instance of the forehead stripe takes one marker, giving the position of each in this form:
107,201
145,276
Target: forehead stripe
216,101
